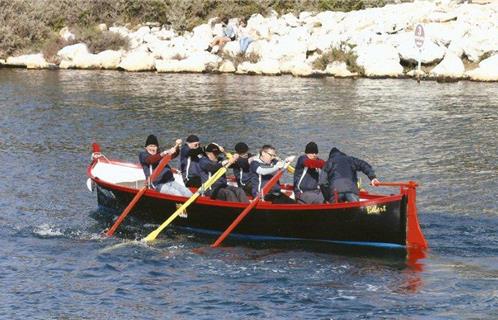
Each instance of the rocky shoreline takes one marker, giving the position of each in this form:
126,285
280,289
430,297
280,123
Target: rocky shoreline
461,42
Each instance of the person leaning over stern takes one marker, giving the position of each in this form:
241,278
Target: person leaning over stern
339,179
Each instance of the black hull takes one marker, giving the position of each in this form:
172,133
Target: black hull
378,222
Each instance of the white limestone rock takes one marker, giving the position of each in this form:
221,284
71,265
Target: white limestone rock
109,59
102,27
232,48
379,60
123,31
137,60
69,52
487,70
30,61
227,67
339,69
302,69
67,35
198,62
450,67
409,52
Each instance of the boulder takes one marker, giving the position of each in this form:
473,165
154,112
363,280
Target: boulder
102,27
487,70
227,66
69,52
450,67
30,61
198,62
137,60
65,34
302,69
381,60
109,59
430,53
339,69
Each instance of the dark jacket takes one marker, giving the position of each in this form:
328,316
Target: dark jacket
340,172
241,171
208,169
149,163
259,181
189,162
306,175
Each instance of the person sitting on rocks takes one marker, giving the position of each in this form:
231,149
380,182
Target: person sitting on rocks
339,180
220,190
229,34
150,158
306,176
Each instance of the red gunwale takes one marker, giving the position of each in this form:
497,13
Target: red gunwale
375,199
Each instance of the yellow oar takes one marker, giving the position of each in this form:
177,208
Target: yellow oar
218,174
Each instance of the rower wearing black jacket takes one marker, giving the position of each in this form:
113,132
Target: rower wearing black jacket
190,154
306,176
339,179
241,167
220,190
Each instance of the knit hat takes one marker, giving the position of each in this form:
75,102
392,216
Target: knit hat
192,138
241,147
212,148
311,148
151,139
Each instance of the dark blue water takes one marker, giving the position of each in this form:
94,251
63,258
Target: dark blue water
55,263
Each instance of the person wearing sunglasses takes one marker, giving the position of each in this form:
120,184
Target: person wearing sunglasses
306,176
262,169
190,155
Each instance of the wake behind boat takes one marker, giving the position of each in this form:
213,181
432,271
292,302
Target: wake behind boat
376,220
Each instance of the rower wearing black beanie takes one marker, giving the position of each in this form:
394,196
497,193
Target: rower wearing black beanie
190,155
241,167
306,176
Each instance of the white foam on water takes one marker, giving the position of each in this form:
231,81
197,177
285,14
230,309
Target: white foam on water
46,230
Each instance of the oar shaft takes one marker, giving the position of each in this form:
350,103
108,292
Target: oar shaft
123,215
153,235
235,223
244,213
164,161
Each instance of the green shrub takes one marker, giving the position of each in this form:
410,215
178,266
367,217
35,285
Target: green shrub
237,59
344,54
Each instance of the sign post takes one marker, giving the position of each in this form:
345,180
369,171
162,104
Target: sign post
419,42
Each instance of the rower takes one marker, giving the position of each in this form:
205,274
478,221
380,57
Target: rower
190,154
307,174
263,168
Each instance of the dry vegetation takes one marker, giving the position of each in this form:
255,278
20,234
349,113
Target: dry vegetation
28,25
343,54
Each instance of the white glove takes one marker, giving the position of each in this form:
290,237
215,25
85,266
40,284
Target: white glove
290,159
279,164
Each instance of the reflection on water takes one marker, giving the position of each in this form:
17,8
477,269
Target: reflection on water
56,263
